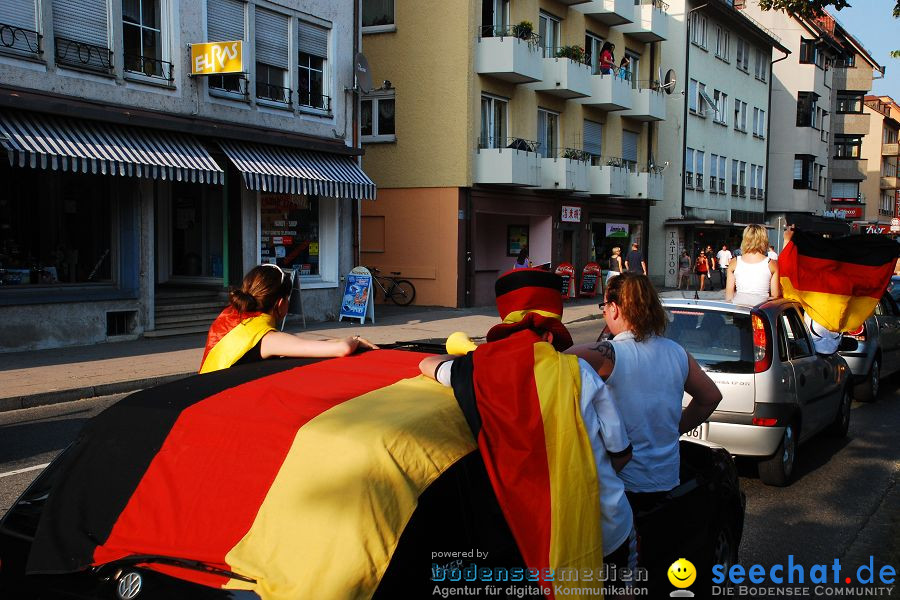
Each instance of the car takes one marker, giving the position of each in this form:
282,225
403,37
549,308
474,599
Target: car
872,351
777,392
81,493
894,288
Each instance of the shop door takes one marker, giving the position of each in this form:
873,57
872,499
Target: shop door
191,235
568,245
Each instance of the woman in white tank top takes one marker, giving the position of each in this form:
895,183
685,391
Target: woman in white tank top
753,277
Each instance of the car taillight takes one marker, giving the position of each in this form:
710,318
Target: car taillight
762,349
764,422
859,333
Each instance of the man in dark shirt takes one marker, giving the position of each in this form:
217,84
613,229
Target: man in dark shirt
635,262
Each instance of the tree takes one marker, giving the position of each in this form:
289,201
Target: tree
814,8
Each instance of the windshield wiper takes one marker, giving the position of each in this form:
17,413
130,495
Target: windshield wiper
193,565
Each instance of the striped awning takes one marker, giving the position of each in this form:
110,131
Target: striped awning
49,142
288,171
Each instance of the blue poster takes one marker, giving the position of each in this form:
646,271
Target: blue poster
357,292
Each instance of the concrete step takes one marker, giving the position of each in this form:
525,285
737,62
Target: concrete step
191,318
176,331
216,305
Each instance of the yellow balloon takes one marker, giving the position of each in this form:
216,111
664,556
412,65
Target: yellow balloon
459,344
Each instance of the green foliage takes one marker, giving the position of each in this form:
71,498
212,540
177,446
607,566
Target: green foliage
523,30
575,53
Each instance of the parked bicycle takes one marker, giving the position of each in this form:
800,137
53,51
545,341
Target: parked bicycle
401,291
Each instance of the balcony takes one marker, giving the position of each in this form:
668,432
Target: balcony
607,179
858,79
609,93
515,164
650,23
572,2
890,149
564,77
850,123
509,58
647,186
568,171
646,105
853,169
610,12
890,183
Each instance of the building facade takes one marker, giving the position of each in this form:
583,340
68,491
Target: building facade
879,193
498,129
717,132
135,192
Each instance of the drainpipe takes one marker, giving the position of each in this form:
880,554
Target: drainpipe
468,265
357,205
687,71
769,139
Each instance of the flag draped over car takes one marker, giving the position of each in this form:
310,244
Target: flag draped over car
293,482
838,281
521,400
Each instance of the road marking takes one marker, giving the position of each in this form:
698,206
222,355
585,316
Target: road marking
25,470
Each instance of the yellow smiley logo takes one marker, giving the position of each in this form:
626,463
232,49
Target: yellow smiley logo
682,573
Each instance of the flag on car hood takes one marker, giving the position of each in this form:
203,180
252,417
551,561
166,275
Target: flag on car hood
293,482
838,281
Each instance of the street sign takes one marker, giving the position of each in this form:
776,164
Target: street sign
215,58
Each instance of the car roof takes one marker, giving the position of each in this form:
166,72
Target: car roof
721,305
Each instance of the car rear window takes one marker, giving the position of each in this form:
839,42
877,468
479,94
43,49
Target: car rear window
719,341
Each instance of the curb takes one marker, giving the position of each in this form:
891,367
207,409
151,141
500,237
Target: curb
90,391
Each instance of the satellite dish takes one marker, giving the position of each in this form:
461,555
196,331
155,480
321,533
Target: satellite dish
363,74
669,81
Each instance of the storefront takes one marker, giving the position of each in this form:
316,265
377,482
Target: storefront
615,224
696,235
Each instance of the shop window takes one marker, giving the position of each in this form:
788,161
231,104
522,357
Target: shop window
290,232
55,229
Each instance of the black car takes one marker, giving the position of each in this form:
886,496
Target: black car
457,511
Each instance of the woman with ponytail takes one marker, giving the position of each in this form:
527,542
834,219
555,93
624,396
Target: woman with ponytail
246,330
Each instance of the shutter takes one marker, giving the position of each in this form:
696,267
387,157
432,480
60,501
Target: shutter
313,40
629,145
593,138
224,20
81,21
845,189
18,13
271,38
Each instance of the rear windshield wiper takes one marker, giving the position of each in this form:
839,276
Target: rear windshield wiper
193,565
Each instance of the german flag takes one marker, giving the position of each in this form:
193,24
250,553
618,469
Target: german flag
291,481
521,400
838,281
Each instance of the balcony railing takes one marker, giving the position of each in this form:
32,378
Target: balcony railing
721,185
273,93
743,190
698,185
713,180
689,180
309,100
82,55
149,67
231,84
20,39
515,31
735,189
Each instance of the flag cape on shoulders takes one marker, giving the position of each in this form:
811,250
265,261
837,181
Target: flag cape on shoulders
231,335
293,482
838,281
521,400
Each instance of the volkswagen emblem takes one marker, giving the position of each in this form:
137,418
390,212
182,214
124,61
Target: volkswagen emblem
129,585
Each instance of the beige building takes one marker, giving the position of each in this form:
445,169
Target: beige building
493,127
879,193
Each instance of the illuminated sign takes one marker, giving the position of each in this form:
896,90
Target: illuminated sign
215,58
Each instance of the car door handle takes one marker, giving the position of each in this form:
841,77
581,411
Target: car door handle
802,379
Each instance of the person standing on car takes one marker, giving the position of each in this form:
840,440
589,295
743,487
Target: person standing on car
634,262
520,369
753,276
246,330
723,257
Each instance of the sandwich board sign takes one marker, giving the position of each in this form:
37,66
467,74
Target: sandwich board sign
356,302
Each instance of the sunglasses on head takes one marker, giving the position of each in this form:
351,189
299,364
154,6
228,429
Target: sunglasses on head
274,266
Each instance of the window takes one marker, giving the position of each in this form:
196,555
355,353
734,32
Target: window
377,15
689,168
703,98
743,55
886,206
698,29
721,104
798,344
807,109
820,177
692,96
740,115
312,62
845,191
810,53
225,20
634,68
759,123
888,167
493,122
548,133
889,136
753,180
713,173
847,146
760,191
309,249
721,43
548,29
494,17
377,118
630,141
761,67
593,141
722,161
742,178
82,35
20,14
803,171
592,46
850,102
735,186
698,169
272,56
142,39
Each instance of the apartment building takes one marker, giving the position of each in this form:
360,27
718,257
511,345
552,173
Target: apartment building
135,190
878,198
494,128
717,132
817,123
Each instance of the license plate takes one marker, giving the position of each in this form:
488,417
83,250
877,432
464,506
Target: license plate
698,433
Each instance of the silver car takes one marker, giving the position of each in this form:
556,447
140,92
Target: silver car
776,391
873,351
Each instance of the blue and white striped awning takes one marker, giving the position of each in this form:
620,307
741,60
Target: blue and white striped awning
289,171
49,142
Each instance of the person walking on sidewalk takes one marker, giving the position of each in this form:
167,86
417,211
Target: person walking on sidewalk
702,267
723,257
710,266
634,262
684,270
246,330
615,263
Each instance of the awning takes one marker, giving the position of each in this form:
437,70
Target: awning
45,141
709,223
288,171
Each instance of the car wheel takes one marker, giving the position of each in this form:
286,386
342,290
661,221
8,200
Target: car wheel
778,469
867,391
841,423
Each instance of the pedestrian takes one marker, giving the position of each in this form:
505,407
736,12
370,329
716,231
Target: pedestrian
624,71
522,261
723,257
753,276
711,266
607,58
702,268
246,330
634,262
771,253
648,375
522,353
684,269
615,263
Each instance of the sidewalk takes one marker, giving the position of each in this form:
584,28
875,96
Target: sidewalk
62,374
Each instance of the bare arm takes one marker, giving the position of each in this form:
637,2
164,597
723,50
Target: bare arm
644,266
600,355
626,264
619,262
775,283
278,343
705,397
730,285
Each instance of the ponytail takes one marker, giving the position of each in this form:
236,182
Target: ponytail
260,290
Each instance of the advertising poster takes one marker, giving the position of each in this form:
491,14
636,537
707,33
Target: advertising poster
356,299
590,276
567,272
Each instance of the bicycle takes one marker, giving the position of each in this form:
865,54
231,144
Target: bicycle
401,291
